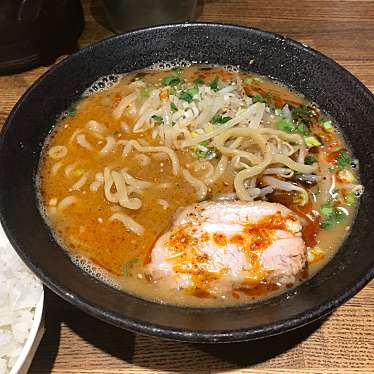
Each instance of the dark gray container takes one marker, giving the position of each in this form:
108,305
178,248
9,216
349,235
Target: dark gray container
126,15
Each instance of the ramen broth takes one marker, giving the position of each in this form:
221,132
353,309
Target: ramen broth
89,140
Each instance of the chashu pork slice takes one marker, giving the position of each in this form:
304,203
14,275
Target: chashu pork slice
221,248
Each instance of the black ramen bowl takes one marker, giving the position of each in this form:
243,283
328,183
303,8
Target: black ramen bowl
320,79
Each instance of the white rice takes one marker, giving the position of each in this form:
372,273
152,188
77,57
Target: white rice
20,291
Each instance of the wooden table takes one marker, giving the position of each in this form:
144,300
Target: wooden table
342,343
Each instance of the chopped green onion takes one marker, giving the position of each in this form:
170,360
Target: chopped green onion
186,97
248,80
286,125
258,99
343,160
258,80
301,113
311,141
333,169
327,125
189,94
214,84
146,92
127,267
336,218
327,210
331,215
310,159
177,70
302,128
350,198
202,151
193,91
278,112
199,81
301,110
171,80
157,118
337,149
297,198
220,119
139,77
173,107
205,155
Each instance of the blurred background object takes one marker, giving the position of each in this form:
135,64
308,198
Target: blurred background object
35,32
125,15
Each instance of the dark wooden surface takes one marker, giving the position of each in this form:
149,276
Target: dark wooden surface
342,343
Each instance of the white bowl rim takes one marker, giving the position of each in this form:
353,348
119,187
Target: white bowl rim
38,317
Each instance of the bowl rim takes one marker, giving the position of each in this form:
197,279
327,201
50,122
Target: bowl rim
35,334
202,336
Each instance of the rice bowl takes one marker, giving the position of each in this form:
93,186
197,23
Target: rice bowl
21,306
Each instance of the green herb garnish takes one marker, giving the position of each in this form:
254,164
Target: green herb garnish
327,210
214,84
311,141
344,160
128,266
157,118
250,80
286,125
186,96
220,119
199,81
139,77
203,152
269,95
173,107
171,80
258,99
258,80
337,149
331,215
302,128
302,113
350,198
146,92
297,198
177,70
327,125
205,155
310,159
189,94
193,91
